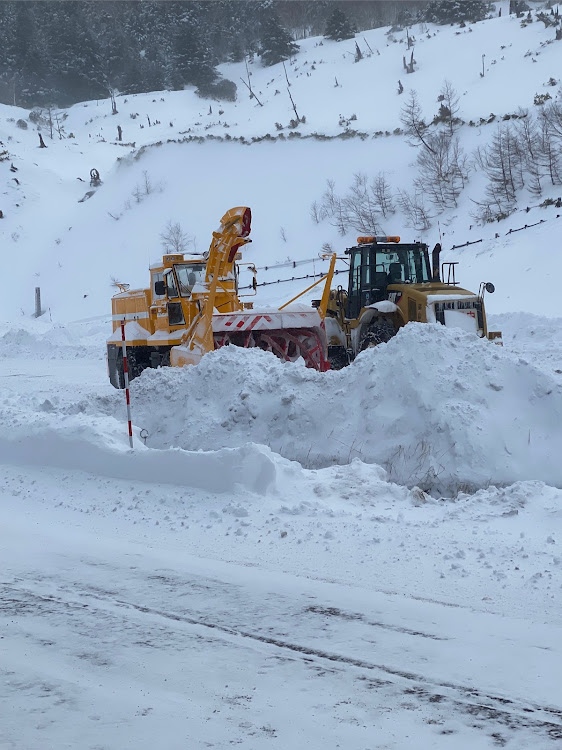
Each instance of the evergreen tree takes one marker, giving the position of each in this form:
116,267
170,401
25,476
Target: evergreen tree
456,11
9,78
192,60
276,42
30,56
62,52
339,27
73,58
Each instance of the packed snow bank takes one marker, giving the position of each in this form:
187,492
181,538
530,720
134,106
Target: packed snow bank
99,446
534,338
41,339
435,407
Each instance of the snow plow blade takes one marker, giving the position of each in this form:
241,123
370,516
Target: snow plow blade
289,335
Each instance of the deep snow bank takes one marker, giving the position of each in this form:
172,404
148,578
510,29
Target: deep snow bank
41,339
98,445
435,407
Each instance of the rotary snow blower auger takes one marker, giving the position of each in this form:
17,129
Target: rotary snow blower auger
193,307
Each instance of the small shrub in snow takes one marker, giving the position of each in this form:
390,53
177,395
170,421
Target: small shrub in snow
540,99
21,124
221,90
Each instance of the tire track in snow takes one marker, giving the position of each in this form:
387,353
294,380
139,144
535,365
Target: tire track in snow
473,702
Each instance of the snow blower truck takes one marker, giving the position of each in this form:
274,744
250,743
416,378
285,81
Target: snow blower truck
391,284
193,307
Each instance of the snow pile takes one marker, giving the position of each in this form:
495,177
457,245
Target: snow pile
532,337
435,407
41,339
98,445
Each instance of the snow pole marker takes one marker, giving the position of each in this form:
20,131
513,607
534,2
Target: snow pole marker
126,376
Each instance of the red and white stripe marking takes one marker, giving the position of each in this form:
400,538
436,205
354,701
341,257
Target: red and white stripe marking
266,321
126,374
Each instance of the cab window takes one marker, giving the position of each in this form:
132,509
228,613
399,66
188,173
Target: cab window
356,272
188,275
171,284
157,276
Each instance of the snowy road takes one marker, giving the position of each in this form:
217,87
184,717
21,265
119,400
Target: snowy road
177,651
207,599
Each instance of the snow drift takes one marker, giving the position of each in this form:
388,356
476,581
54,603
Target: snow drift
435,407
98,445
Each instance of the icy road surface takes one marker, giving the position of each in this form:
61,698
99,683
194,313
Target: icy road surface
110,644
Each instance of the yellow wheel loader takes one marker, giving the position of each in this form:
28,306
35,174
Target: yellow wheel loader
192,307
391,284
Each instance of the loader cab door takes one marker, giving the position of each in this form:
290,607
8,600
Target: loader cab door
158,310
367,280
175,308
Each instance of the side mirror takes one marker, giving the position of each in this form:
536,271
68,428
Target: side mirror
159,288
490,288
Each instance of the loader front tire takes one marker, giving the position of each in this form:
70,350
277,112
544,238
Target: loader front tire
338,357
379,331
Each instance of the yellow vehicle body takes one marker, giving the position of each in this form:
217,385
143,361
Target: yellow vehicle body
392,284
192,307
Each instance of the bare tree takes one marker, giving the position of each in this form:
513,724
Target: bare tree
449,108
316,212
112,91
382,195
50,123
59,124
414,209
443,170
530,144
413,123
174,238
551,139
502,163
359,208
551,154
333,208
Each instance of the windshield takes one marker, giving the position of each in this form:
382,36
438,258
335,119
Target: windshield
403,264
188,275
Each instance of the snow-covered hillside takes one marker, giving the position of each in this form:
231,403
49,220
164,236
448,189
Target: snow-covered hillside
366,558
73,249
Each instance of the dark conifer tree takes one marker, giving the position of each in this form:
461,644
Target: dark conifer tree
339,27
456,11
276,42
30,56
73,58
192,61
62,52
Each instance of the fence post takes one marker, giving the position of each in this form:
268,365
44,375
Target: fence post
126,377
37,302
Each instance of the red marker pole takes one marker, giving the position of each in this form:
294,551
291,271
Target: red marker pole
126,374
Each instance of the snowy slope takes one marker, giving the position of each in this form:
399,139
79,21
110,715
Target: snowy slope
73,250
